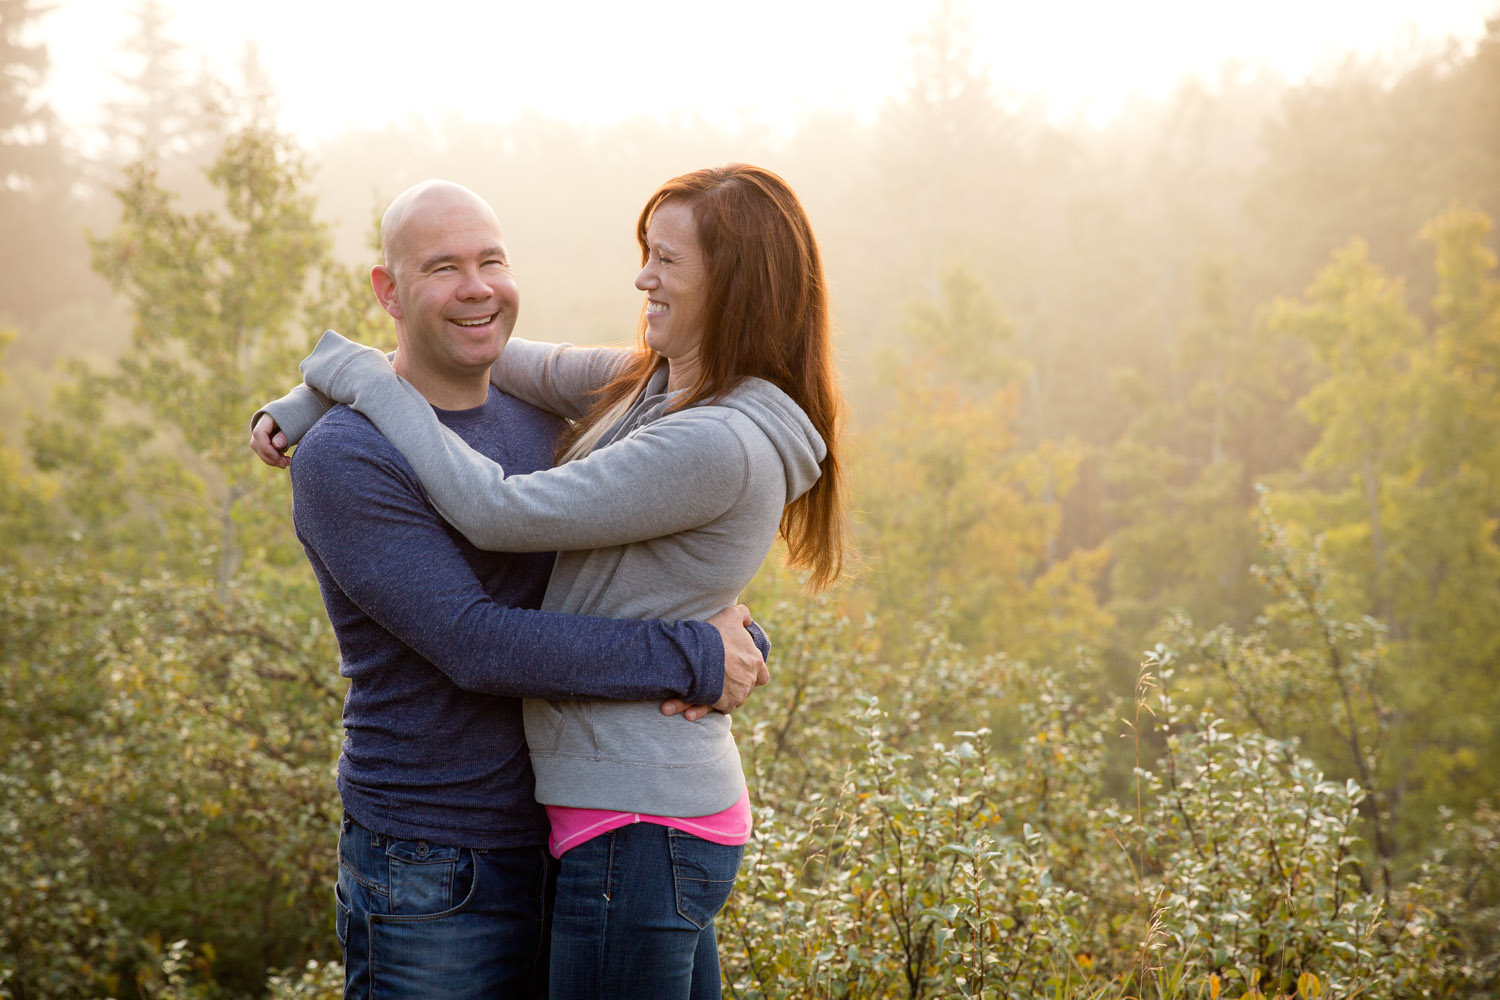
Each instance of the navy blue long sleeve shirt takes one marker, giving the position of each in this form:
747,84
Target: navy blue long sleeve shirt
439,639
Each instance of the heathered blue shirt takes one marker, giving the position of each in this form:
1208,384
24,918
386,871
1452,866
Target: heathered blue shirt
440,640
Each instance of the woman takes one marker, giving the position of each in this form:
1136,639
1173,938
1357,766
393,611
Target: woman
686,457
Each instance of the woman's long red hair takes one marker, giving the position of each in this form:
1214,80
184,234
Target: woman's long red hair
767,317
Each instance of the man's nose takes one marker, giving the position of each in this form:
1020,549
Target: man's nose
473,285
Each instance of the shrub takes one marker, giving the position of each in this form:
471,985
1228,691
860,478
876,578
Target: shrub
970,865
174,782
934,824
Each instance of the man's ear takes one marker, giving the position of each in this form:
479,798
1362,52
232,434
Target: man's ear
384,284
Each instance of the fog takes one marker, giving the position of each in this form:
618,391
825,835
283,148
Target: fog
1023,146
1132,302
337,66
1087,235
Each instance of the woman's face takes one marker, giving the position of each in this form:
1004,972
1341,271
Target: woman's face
675,280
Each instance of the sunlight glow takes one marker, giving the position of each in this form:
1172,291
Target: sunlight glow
337,65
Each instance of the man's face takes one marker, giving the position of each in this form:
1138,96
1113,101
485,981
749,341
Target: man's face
449,286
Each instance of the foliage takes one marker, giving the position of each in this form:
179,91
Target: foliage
892,861
1299,801
1216,421
173,782
152,457
955,508
25,520
1462,872
58,936
1261,882
314,981
172,839
1400,492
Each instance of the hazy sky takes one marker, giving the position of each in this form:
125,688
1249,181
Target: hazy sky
337,63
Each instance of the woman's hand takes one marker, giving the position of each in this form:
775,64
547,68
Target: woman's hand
268,443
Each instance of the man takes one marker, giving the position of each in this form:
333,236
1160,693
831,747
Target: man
443,870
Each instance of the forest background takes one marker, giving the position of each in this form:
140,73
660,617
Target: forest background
1214,380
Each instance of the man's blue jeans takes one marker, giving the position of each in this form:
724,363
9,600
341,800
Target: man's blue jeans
634,915
422,921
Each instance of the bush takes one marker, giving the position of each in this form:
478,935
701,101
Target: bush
174,782
976,866
169,821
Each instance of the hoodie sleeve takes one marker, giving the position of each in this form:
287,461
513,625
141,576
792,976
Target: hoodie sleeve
678,472
361,517
296,412
558,378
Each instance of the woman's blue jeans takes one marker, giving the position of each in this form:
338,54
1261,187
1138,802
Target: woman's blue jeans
422,921
634,915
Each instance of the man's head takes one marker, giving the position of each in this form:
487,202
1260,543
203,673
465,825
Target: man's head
446,280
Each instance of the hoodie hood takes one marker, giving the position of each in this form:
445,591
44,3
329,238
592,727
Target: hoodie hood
791,432
777,416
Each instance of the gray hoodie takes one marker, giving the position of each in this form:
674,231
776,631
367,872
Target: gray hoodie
669,517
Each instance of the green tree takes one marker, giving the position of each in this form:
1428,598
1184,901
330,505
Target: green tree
1216,420
165,670
1354,318
25,498
224,304
1400,491
956,511
1447,542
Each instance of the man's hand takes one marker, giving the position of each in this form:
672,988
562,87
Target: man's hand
744,667
268,443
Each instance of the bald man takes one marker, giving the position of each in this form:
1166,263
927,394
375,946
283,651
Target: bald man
443,868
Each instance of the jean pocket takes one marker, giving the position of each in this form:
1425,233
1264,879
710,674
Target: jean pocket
703,875
426,879
340,916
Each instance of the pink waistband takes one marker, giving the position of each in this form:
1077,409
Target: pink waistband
571,827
